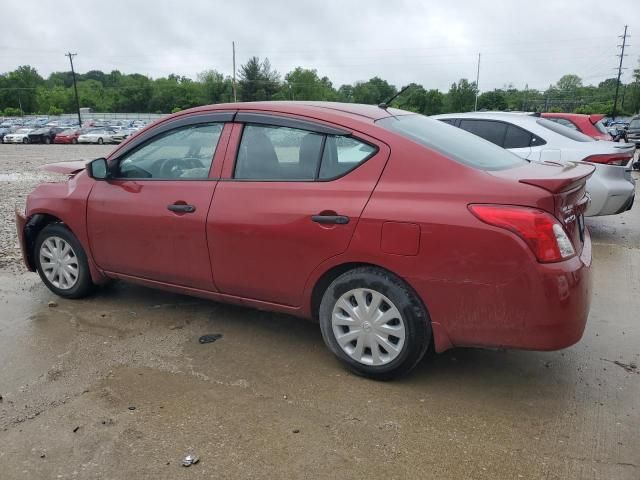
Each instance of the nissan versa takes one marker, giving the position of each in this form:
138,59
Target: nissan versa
395,231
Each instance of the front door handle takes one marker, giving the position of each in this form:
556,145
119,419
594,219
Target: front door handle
181,208
335,219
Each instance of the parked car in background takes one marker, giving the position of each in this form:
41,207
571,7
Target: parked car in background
611,187
68,136
97,135
44,135
412,239
3,132
633,132
590,125
122,134
19,136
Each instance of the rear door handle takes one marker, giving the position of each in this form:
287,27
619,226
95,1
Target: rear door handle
335,219
181,208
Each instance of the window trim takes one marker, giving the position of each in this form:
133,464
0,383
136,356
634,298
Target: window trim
289,122
137,139
114,164
316,179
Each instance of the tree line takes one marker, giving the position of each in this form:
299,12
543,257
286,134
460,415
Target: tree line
25,91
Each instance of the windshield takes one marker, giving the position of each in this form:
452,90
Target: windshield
635,123
451,141
564,131
600,126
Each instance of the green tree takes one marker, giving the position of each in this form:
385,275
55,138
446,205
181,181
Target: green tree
461,96
373,91
258,81
22,85
493,100
305,84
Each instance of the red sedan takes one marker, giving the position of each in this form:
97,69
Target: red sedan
392,230
68,136
590,125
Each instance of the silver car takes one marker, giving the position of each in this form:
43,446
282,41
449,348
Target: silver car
611,187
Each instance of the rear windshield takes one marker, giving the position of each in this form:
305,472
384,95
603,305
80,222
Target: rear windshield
564,131
600,126
451,141
635,123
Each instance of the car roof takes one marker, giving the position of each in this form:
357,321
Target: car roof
307,108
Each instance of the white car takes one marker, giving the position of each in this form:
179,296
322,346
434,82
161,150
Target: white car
611,187
19,136
98,135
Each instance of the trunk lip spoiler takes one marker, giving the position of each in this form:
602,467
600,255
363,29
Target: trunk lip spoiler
562,185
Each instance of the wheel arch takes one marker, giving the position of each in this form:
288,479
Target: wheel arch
32,228
323,282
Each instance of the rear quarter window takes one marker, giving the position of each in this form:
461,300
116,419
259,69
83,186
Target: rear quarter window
564,131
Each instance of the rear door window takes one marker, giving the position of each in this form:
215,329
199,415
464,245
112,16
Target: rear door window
487,129
278,153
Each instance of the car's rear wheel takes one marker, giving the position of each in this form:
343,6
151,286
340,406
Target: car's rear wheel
62,262
100,141
25,140
374,323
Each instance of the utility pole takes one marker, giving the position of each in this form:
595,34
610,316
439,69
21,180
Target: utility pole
233,46
475,108
624,44
75,87
524,101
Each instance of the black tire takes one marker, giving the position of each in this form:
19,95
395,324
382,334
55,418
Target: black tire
47,140
25,140
414,316
100,141
74,141
83,286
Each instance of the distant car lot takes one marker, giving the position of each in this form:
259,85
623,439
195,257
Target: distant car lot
51,130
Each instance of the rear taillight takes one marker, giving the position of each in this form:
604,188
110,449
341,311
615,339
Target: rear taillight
540,230
609,159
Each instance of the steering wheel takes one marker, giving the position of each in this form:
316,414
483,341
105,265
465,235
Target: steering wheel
173,167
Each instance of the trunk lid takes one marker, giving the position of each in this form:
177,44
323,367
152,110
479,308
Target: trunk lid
566,183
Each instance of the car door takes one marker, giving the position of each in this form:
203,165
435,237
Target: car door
291,196
148,219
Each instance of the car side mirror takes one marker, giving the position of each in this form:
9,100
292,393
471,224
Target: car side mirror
98,169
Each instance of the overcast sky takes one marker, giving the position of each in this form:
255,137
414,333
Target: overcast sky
427,42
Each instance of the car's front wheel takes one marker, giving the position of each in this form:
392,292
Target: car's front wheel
100,141
62,262
374,323
25,140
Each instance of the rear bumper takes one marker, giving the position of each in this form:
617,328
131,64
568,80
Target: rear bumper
544,307
611,189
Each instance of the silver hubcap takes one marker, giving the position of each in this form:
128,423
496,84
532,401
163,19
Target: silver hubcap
368,327
59,263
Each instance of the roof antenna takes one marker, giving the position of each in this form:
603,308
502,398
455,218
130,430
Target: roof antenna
385,105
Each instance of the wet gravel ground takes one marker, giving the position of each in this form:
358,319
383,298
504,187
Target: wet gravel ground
117,386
